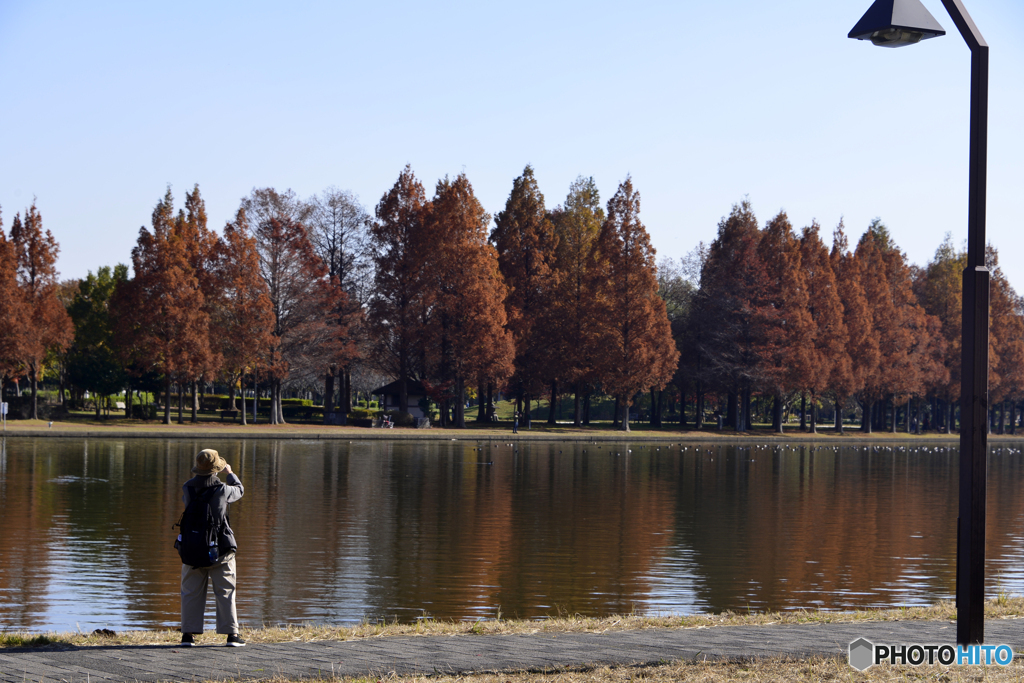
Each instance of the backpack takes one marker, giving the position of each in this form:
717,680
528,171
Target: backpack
198,542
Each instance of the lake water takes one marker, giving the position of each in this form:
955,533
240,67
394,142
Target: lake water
338,532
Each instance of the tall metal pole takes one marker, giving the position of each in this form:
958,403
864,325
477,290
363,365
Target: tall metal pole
970,560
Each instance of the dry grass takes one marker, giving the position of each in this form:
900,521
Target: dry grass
813,669
1003,607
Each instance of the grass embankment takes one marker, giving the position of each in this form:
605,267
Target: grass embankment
709,671
1003,607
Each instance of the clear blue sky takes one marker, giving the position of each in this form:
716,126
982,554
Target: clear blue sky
105,104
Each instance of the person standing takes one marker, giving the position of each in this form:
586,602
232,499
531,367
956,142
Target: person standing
515,422
221,573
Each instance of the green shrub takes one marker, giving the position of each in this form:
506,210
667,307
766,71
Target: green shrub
305,402
144,412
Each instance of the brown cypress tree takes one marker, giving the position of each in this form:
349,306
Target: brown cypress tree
783,327
577,225
731,280
637,351
13,312
466,333
526,243
400,296
1006,343
244,316
162,322
48,326
863,344
829,357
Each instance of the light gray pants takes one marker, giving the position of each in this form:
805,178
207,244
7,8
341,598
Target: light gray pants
193,596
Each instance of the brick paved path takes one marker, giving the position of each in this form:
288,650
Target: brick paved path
466,653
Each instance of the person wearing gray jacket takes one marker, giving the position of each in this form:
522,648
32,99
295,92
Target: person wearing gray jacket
222,572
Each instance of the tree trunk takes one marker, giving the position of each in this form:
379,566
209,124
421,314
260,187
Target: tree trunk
195,402
895,415
732,411
576,406
481,408
698,419
34,383
586,408
839,414
460,403
403,394
776,414
167,399
527,418
949,416
181,403
328,394
868,415
747,422
554,403
1013,417
625,415
803,411
814,415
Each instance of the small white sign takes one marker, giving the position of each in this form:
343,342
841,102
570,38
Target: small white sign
3,408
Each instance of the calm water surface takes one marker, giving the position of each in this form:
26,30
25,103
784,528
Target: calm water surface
338,532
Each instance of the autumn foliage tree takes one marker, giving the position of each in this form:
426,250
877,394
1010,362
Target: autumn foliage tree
400,244
306,305
47,326
573,308
783,328
862,346
829,361
13,312
731,281
244,317
338,229
526,242
162,320
637,351
466,334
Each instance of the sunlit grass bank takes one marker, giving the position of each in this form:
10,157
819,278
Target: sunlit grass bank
1003,607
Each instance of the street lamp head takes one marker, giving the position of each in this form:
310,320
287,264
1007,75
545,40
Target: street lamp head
895,23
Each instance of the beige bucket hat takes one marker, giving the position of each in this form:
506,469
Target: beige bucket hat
208,461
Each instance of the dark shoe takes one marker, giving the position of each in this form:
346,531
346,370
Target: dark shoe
235,641
187,640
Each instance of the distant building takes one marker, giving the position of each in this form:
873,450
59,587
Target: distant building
389,393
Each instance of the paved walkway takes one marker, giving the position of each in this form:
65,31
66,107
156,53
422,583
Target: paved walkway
468,653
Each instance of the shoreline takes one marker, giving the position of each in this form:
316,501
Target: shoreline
41,429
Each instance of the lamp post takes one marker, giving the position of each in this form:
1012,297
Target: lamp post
895,23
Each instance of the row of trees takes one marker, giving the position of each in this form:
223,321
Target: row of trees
777,313
547,302
301,292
